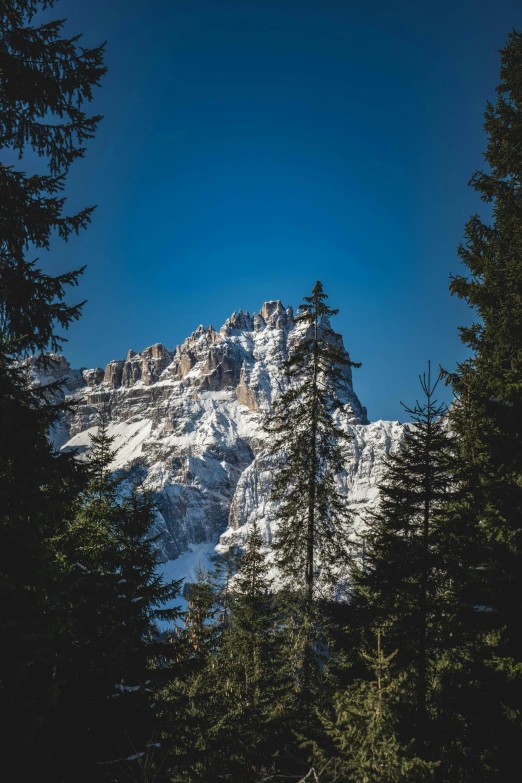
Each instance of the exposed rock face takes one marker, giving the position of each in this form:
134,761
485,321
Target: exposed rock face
94,377
189,422
364,455
114,373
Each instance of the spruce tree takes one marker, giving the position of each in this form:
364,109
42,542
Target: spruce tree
404,585
116,657
38,489
254,679
45,78
487,418
225,565
189,701
253,617
312,532
228,713
362,727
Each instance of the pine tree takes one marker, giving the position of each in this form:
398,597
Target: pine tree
38,489
43,76
225,565
487,418
229,710
404,584
254,679
363,731
115,658
190,706
253,618
312,517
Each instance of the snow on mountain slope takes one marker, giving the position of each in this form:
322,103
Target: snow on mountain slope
364,465
189,423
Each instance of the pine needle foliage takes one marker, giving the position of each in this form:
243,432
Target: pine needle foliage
225,566
38,491
254,676
403,585
312,516
253,617
46,79
487,418
116,653
363,730
190,706
230,708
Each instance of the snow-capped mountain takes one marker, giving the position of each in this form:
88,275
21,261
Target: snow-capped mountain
189,422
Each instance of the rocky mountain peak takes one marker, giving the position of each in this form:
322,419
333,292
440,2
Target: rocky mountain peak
273,315
276,316
238,321
189,423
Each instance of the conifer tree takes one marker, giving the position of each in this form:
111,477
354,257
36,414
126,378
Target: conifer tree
229,710
487,418
200,629
312,517
254,679
44,80
404,585
225,565
253,617
190,706
38,489
115,657
363,730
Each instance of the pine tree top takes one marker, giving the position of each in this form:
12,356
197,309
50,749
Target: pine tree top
46,80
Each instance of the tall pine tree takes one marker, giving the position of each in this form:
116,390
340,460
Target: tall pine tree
45,79
487,418
403,586
312,532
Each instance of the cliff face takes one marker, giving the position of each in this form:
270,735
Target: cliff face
189,423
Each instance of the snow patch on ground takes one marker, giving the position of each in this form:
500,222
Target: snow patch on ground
185,567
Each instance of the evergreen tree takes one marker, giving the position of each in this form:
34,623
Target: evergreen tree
115,657
404,585
45,78
254,679
363,732
253,617
44,75
225,565
229,710
487,418
190,703
312,517
38,489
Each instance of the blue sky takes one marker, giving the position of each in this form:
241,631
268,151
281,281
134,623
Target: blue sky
250,148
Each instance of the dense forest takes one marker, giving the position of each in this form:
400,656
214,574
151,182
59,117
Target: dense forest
410,670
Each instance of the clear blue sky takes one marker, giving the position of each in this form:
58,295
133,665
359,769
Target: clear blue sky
249,148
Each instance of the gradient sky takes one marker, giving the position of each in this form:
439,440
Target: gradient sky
250,148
